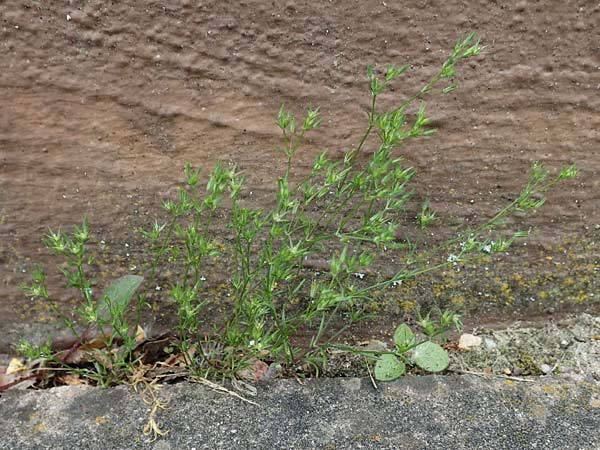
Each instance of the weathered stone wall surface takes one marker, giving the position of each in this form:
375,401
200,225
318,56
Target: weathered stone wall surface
104,102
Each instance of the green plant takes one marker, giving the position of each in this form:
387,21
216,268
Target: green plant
410,349
33,352
423,353
104,316
346,212
427,216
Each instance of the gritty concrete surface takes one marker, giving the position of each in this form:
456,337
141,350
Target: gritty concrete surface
429,412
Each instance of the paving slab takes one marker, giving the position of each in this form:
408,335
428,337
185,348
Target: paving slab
417,412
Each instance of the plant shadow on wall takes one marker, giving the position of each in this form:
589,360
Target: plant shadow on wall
345,212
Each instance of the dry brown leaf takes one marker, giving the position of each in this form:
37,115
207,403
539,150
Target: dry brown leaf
71,379
103,358
154,350
99,341
73,356
255,372
14,366
140,335
22,380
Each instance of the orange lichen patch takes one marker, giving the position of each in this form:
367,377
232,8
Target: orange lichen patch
40,427
458,301
581,296
408,306
556,390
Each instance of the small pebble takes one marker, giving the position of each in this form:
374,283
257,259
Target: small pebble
468,341
490,344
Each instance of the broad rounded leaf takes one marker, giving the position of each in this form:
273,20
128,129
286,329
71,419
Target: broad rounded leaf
388,368
431,357
404,337
119,293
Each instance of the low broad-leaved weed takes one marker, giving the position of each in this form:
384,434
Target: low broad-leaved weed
410,349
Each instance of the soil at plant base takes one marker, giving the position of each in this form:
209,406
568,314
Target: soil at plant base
104,103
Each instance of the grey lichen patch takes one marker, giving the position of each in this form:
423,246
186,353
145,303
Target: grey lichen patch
571,346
